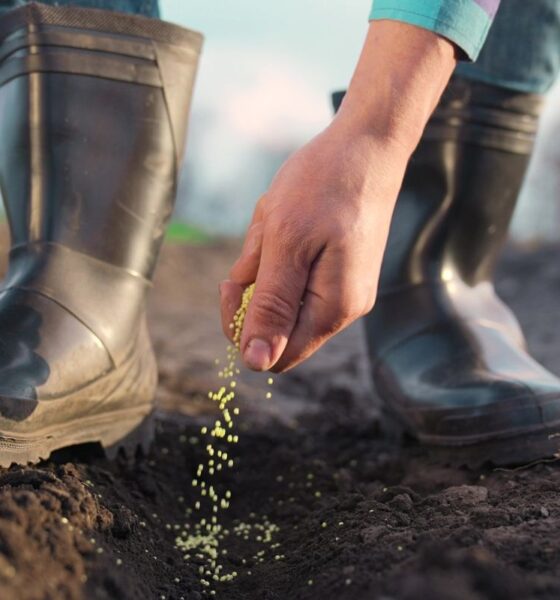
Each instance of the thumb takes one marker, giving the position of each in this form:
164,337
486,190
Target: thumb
274,308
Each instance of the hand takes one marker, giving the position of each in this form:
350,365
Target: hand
314,247
315,244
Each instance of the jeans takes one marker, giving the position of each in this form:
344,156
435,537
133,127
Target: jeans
522,51
148,8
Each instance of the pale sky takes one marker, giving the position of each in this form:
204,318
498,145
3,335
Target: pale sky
324,35
265,76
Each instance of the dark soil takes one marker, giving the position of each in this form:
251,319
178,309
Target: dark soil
358,518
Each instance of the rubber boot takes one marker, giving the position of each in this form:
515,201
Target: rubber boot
93,114
448,357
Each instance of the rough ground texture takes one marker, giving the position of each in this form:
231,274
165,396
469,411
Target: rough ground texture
358,519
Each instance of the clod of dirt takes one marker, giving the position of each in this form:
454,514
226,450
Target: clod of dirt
465,495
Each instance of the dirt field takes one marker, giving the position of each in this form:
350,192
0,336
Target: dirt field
356,517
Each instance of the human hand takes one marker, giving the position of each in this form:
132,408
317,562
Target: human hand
314,247
315,244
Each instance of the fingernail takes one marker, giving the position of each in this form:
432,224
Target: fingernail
258,355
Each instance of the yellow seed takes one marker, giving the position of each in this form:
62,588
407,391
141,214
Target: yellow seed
204,538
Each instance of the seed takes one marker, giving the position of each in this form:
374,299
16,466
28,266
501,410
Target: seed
206,536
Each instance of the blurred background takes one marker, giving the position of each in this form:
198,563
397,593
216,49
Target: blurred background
263,89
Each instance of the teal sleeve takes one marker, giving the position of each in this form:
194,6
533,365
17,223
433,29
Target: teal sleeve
464,22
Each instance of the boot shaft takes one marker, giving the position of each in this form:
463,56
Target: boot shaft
484,137
93,110
461,186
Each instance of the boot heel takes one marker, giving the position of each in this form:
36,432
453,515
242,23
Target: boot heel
140,437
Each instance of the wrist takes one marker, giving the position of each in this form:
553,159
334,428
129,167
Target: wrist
397,83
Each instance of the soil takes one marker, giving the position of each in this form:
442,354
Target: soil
358,518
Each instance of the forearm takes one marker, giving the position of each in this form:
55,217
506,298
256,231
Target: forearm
397,83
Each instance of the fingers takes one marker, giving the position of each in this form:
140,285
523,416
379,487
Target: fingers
244,270
230,300
282,276
337,294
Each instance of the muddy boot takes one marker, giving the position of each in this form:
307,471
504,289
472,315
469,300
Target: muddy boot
93,112
449,360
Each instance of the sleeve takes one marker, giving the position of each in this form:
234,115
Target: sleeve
464,22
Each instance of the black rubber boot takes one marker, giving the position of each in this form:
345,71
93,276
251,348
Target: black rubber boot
449,360
93,114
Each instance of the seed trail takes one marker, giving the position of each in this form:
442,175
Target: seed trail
204,538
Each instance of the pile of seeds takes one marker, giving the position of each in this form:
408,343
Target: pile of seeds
203,541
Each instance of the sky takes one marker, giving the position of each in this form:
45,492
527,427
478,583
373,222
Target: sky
263,88
264,82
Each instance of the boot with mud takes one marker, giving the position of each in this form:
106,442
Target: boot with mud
448,357
93,114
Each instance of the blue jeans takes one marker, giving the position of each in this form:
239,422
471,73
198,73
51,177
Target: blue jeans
522,51
148,8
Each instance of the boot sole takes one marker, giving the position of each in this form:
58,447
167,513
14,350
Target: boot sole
119,430
519,448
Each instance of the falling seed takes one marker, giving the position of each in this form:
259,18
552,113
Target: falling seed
206,536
